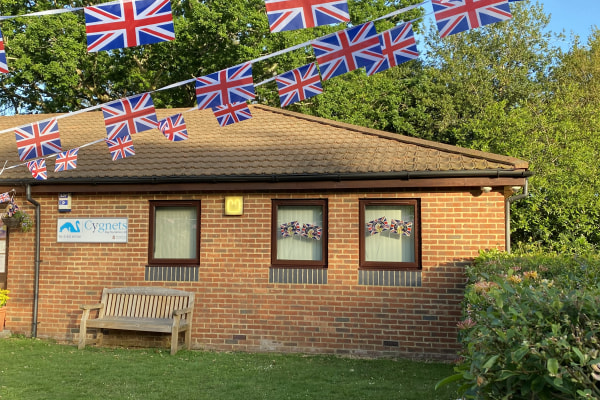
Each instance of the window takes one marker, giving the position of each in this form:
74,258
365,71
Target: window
174,233
299,233
390,233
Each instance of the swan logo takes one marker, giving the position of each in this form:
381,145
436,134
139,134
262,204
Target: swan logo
92,230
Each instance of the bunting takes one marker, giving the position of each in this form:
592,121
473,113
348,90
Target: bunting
286,15
3,63
38,169
299,84
454,16
347,50
66,161
228,86
4,197
128,23
120,147
231,113
174,128
398,46
128,116
38,139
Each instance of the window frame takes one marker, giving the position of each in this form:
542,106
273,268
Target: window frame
383,265
306,264
153,204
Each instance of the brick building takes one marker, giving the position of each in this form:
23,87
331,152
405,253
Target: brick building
297,234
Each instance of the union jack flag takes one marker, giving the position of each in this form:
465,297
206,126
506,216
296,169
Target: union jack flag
121,147
3,64
401,227
398,46
377,226
311,231
128,23
228,86
454,16
287,15
290,229
38,169
299,84
66,160
4,197
130,115
347,50
38,139
231,113
174,128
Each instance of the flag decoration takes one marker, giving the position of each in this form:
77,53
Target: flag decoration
228,86
4,197
128,23
287,15
398,46
401,227
12,208
377,226
66,161
121,147
299,84
38,139
347,50
3,63
290,229
38,169
311,231
231,113
130,115
454,16
174,128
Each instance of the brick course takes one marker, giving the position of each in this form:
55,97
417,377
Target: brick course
236,306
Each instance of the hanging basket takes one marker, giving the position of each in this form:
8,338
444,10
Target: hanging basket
11,222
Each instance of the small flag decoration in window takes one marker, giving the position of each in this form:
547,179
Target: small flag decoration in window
299,84
128,23
38,139
121,147
287,15
311,231
3,64
454,16
377,226
290,229
174,128
347,50
228,86
401,227
38,169
398,46
66,161
4,197
231,113
130,115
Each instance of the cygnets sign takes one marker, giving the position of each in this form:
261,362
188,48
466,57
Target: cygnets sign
92,230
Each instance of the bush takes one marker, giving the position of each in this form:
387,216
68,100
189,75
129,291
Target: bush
531,328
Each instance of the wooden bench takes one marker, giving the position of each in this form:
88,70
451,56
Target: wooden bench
148,309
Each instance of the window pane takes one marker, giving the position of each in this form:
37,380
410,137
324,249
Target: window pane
302,233
389,233
175,232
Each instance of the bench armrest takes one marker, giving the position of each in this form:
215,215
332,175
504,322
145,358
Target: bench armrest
183,311
92,306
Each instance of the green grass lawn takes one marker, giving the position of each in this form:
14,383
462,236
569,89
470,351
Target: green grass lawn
36,369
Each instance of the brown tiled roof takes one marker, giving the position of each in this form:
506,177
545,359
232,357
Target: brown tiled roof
274,142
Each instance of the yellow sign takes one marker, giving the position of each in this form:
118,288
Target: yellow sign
234,205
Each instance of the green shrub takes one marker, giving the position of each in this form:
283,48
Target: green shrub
531,328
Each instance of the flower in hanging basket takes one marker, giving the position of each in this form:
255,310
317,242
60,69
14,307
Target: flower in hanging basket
16,218
3,297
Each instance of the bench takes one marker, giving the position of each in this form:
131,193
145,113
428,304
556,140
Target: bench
148,309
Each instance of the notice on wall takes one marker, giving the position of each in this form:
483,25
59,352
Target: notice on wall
92,230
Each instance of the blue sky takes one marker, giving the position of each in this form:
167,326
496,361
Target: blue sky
574,15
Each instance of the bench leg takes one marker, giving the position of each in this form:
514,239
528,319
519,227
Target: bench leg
83,329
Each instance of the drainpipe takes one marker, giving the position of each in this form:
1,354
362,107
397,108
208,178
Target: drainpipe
507,204
36,289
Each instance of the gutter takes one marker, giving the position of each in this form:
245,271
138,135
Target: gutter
36,290
507,204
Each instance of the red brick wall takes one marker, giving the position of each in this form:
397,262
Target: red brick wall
236,306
